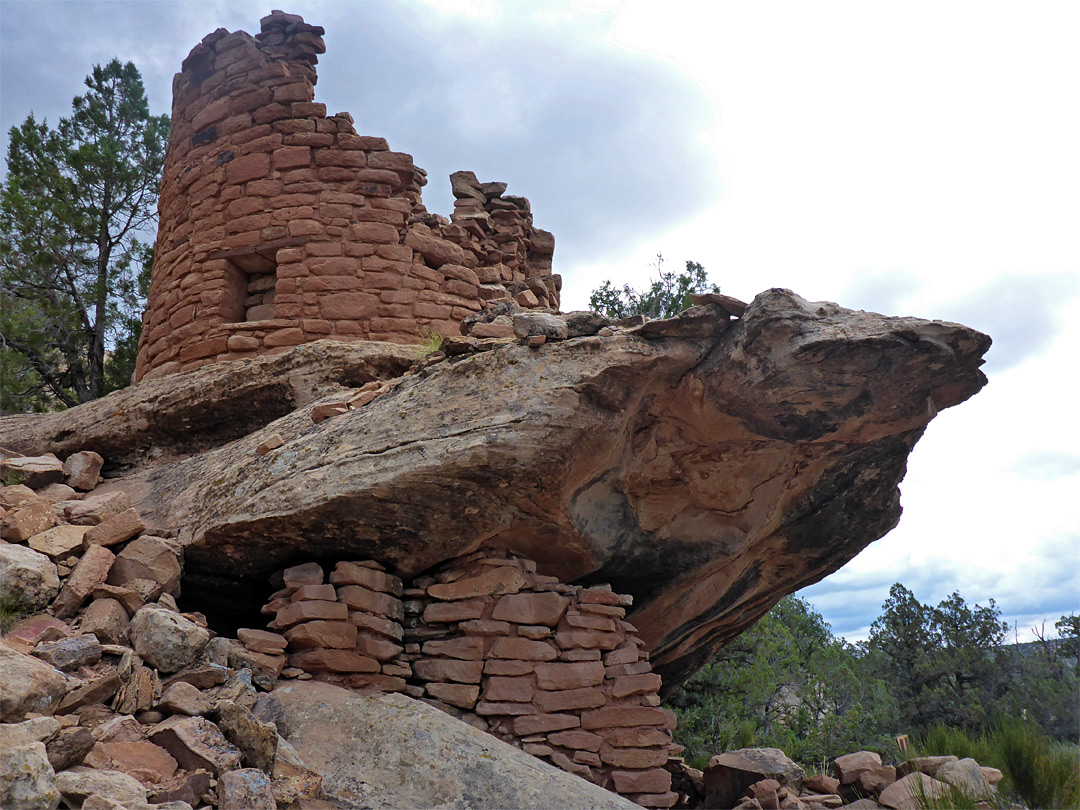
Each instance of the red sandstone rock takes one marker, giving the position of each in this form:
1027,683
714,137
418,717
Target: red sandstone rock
90,572
822,784
95,509
116,529
848,767
346,573
494,666
487,627
633,757
582,740
625,716
523,649
635,685
311,593
148,558
442,669
144,761
358,597
300,575
569,676
260,640
456,694
531,608
493,581
587,698
517,690
587,639
81,469
36,472
376,646
467,649
638,737
333,635
453,611
297,612
320,660
656,780
31,517
59,542
488,708
625,654
541,723
322,412
271,442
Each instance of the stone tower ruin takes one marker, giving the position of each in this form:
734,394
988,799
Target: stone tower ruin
280,225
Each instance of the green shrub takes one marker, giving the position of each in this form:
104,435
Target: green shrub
11,613
1042,773
430,341
1037,770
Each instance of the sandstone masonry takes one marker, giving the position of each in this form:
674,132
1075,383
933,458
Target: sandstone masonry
552,668
279,225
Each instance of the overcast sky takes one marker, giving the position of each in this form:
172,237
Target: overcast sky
916,158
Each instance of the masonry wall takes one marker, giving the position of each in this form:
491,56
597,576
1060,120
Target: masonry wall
280,225
554,669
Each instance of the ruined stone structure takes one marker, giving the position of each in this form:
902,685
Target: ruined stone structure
549,667
279,225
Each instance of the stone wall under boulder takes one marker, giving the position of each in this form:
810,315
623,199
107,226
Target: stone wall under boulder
554,669
279,225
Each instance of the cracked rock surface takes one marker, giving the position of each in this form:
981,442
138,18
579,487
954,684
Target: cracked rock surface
705,465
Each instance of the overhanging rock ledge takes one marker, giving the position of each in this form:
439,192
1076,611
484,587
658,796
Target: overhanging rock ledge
707,466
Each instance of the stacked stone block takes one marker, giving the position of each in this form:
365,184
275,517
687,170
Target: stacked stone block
280,225
346,631
552,668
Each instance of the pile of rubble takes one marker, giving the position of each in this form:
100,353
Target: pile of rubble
765,779
110,697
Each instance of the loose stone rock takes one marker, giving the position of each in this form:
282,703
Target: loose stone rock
245,789
27,686
27,579
29,518
166,640
70,653
27,781
81,469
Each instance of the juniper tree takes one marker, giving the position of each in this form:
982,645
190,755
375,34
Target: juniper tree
72,270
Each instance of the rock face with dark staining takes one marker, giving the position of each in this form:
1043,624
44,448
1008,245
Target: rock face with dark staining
705,465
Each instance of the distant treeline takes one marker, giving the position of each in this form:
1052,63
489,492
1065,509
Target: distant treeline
789,683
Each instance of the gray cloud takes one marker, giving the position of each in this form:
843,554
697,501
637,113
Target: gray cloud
1045,587
886,292
605,141
1047,466
1021,312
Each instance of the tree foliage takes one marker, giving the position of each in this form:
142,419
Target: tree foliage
666,297
789,683
786,683
948,661
72,271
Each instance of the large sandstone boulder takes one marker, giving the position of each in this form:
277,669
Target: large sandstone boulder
165,639
79,783
967,775
704,465
27,579
27,781
729,774
206,407
914,791
27,686
389,751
